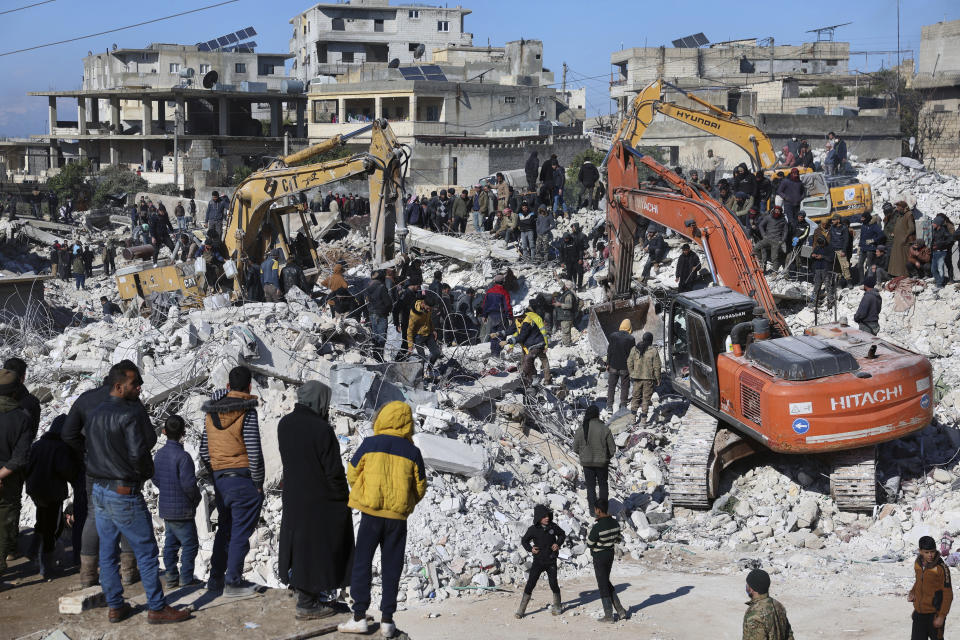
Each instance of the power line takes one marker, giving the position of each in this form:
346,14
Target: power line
35,4
131,26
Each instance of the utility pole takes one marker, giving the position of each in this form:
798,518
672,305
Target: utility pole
177,123
563,88
898,58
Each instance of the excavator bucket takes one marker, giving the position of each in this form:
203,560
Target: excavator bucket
606,318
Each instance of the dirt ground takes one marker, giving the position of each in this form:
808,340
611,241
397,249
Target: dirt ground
699,597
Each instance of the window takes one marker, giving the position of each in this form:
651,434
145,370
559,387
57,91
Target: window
174,67
267,69
832,63
413,14
347,56
509,99
324,111
538,100
204,68
378,25
338,25
240,67
443,25
306,60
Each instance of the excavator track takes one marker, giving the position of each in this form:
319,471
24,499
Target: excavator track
690,461
853,483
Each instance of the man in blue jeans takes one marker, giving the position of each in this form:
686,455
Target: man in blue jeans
118,462
176,480
230,449
942,245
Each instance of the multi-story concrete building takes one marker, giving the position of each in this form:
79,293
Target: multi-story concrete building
938,78
739,63
329,39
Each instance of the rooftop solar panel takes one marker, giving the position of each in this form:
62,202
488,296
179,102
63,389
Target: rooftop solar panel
232,38
411,73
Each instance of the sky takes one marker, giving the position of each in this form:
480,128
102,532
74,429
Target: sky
582,34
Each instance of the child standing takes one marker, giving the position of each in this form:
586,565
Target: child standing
932,592
51,467
543,540
604,534
176,479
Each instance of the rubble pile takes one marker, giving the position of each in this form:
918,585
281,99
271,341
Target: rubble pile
494,448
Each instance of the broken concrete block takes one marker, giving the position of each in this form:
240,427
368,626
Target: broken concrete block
80,601
447,455
130,349
162,381
483,389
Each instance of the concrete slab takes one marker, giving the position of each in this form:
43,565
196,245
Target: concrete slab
452,456
80,601
483,390
456,248
163,381
556,456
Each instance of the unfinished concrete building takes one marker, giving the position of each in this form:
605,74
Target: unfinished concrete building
938,77
331,39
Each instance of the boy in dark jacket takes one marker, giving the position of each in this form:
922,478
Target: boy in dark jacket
603,536
543,540
176,479
51,465
932,592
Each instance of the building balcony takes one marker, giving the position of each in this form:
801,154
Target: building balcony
403,129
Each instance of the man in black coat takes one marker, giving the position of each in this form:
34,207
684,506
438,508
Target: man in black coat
15,425
588,177
531,169
28,401
688,267
656,252
867,316
619,344
316,530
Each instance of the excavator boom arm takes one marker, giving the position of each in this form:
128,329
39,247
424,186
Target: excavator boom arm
723,124
688,211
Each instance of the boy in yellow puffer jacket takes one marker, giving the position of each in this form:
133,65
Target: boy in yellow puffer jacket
387,480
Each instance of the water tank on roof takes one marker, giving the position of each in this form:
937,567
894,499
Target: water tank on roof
291,85
810,111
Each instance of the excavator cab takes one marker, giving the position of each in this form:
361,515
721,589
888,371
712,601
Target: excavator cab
697,332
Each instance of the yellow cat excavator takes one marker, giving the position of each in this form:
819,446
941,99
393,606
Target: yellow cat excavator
825,195
253,223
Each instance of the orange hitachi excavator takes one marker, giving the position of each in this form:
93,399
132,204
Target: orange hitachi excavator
729,351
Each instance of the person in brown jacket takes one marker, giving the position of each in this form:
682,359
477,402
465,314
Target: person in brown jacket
338,287
904,233
421,332
932,592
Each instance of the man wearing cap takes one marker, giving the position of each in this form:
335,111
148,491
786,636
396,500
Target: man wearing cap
765,618
620,343
868,313
932,592
566,311
871,237
216,212
15,438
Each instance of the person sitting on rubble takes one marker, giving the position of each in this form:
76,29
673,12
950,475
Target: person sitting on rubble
918,261
543,540
109,308
422,334
531,335
656,248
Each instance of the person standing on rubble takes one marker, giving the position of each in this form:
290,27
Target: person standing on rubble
479,206
839,237
65,256
594,445
542,539
544,230
15,430
109,257
51,467
871,237
531,169
791,192
657,250
765,618
498,313
28,402
76,265
527,226
566,310
316,529
230,450
388,478
339,291
87,255
119,462
401,316
216,212
177,501
867,316
270,277
645,368
904,234
160,229
688,268
461,211
74,436
932,592
379,306
620,343
602,539
422,334
531,335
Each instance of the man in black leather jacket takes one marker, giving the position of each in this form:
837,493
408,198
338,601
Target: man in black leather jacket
73,435
119,462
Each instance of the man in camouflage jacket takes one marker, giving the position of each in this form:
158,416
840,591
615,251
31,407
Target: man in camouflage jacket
765,618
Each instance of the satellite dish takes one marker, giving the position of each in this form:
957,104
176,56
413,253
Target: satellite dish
89,53
394,63
419,51
114,46
210,78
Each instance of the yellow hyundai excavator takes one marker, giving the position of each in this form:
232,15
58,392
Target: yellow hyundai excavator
255,208
825,195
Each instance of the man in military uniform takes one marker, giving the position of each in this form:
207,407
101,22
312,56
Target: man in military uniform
765,618
566,311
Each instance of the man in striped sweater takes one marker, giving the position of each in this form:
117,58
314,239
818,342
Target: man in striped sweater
230,450
604,534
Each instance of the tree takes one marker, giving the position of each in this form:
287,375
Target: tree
70,182
827,89
112,180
